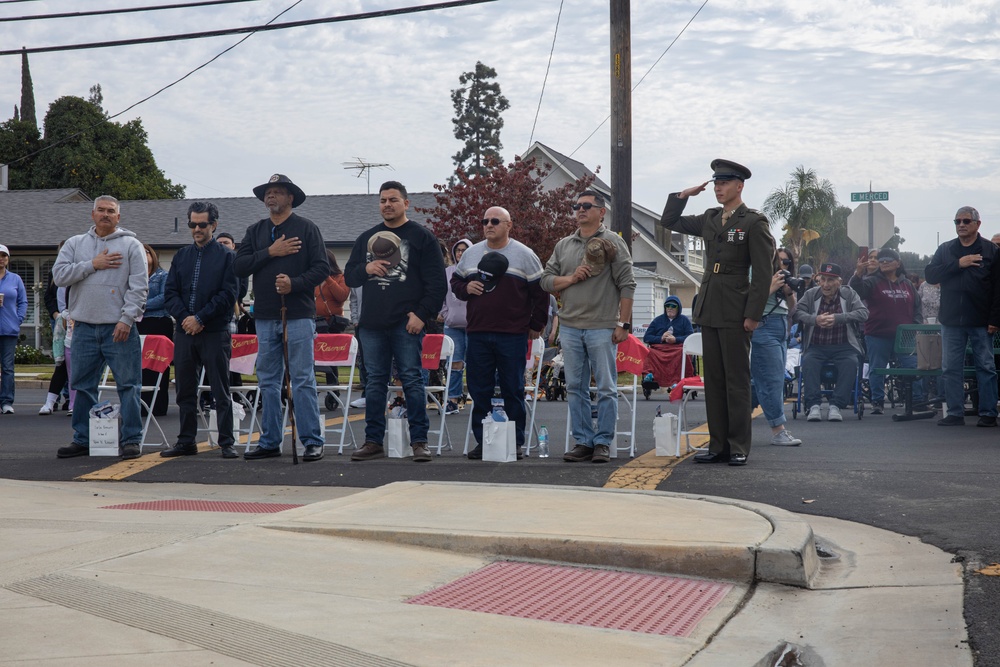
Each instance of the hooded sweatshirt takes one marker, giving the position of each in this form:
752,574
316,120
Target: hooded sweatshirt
659,326
108,296
454,311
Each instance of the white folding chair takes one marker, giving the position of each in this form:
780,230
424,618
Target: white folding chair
533,363
159,352
692,347
431,392
243,360
629,394
339,392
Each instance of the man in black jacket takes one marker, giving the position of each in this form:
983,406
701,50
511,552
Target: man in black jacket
286,255
968,270
200,294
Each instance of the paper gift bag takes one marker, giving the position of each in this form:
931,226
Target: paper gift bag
397,438
213,425
665,434
103,437
499,441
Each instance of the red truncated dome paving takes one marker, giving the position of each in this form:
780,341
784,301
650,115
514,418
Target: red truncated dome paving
204,506
646,603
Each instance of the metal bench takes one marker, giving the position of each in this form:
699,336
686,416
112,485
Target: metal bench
905,345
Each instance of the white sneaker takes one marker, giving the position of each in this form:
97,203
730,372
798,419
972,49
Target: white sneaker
358,403
814,415
45,410
785,439
834,414
7,409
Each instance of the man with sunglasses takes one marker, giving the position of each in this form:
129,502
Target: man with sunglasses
498,278
399,267
968,270
592,270
739,251
200,294
286,256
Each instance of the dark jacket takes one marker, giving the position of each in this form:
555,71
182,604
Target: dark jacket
216,290
970,297
681,325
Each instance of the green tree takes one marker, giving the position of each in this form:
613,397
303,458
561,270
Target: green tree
18,139
806,204
541,217
478,104
27,92
83,149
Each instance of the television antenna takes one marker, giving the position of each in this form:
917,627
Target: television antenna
364,168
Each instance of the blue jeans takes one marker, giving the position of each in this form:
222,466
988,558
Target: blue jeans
767,367
271,376
455,377
587,351
502,357
879,354
93,348
954,340
7,347
381,346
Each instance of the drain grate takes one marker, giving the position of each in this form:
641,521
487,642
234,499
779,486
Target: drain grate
645,603
204,506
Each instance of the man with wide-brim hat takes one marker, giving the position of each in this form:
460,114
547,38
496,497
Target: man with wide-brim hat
298,196
286,256
739,251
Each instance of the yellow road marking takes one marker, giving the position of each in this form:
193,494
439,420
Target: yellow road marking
124,469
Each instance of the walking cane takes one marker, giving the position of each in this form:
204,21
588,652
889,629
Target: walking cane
288,378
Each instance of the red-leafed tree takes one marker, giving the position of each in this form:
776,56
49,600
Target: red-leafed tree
541,216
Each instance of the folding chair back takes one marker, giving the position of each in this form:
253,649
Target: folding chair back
157,354
438,348
693,347
337,351
534,366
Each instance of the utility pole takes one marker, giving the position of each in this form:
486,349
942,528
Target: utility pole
621,120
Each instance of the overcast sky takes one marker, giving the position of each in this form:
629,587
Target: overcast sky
901,93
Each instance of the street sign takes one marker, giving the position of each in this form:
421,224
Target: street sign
869,196
883,225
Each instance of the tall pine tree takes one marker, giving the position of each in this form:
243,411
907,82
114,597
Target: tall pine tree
478,104
27,92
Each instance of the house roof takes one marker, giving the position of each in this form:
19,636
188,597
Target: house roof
577,169
54,215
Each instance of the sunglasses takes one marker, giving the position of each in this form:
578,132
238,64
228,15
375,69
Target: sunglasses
671,307
885,260
586,206
199,225
964,221
493,221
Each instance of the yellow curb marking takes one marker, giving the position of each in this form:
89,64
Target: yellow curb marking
990,570
124,469
648,471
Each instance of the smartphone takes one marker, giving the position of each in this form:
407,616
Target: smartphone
863,253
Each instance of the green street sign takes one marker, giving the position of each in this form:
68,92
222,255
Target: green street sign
869,196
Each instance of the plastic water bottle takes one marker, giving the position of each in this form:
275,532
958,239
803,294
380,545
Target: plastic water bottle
670,330
543,443
497,413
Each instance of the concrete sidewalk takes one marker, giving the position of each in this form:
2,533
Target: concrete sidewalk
328,583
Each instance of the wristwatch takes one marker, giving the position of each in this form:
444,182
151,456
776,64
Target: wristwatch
627,326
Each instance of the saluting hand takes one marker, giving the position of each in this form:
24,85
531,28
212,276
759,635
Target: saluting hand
693,191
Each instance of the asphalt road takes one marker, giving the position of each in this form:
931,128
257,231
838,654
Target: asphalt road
938,484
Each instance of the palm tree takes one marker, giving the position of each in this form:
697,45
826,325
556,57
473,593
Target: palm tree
805,204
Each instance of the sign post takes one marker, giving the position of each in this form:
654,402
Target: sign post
870,197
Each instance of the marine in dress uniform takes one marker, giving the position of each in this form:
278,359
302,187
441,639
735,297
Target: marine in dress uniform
739,251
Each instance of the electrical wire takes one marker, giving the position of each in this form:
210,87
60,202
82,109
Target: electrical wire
248,29
643,78
548,67
128,10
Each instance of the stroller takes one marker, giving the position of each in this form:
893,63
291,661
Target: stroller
553,381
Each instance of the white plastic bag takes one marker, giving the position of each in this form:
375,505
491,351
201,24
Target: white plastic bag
499,441
103,436
397,438
665,434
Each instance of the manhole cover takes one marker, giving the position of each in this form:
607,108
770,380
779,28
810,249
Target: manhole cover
634,602
204,506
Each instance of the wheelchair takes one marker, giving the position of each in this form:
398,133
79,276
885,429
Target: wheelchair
827,382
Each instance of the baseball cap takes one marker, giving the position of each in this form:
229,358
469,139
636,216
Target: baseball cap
888,253
4,250
385,245
831,269
492,267
598,253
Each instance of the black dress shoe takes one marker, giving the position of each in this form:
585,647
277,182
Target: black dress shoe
229,453
986,421
738,460
313,453
179,450
475,454
261,453
710,457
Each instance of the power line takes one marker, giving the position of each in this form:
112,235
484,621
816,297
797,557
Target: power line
552,50
249,29
129,10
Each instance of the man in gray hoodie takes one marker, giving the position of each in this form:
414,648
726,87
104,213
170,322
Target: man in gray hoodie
106,266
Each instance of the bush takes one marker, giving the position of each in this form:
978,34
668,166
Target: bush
25,354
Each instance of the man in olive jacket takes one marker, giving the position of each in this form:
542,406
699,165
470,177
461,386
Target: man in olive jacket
739,251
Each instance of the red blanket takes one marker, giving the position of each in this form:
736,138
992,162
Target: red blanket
664,362
677,393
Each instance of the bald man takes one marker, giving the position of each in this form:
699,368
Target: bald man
506,306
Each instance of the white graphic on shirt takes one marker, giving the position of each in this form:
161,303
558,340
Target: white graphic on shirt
397,274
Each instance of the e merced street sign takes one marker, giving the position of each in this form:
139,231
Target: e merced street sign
869,196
